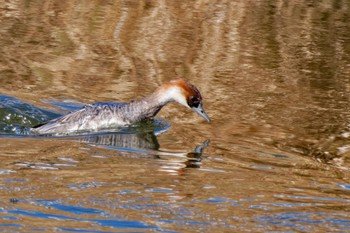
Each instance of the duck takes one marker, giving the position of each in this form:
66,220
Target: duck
106,115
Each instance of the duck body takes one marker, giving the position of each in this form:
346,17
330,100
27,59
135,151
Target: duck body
104,115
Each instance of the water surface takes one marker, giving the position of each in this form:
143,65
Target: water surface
275,80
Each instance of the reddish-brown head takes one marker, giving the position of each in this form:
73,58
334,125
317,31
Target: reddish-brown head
186,94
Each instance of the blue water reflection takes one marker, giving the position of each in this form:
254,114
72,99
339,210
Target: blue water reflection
344,186
115,222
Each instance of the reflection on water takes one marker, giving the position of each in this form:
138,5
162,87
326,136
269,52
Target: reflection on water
138,140
275,80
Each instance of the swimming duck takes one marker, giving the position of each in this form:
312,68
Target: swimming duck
98,116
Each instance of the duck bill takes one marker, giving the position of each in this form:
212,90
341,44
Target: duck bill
201,112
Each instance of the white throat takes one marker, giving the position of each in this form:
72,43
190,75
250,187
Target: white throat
174,93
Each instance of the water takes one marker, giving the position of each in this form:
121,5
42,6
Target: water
275,80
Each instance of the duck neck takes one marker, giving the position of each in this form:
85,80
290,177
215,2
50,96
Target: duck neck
147,107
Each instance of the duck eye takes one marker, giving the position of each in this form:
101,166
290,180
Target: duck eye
194,102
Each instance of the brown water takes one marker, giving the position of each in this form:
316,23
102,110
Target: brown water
275,80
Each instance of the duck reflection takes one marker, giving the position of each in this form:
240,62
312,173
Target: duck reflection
140,141
177,163
146,145
178,160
